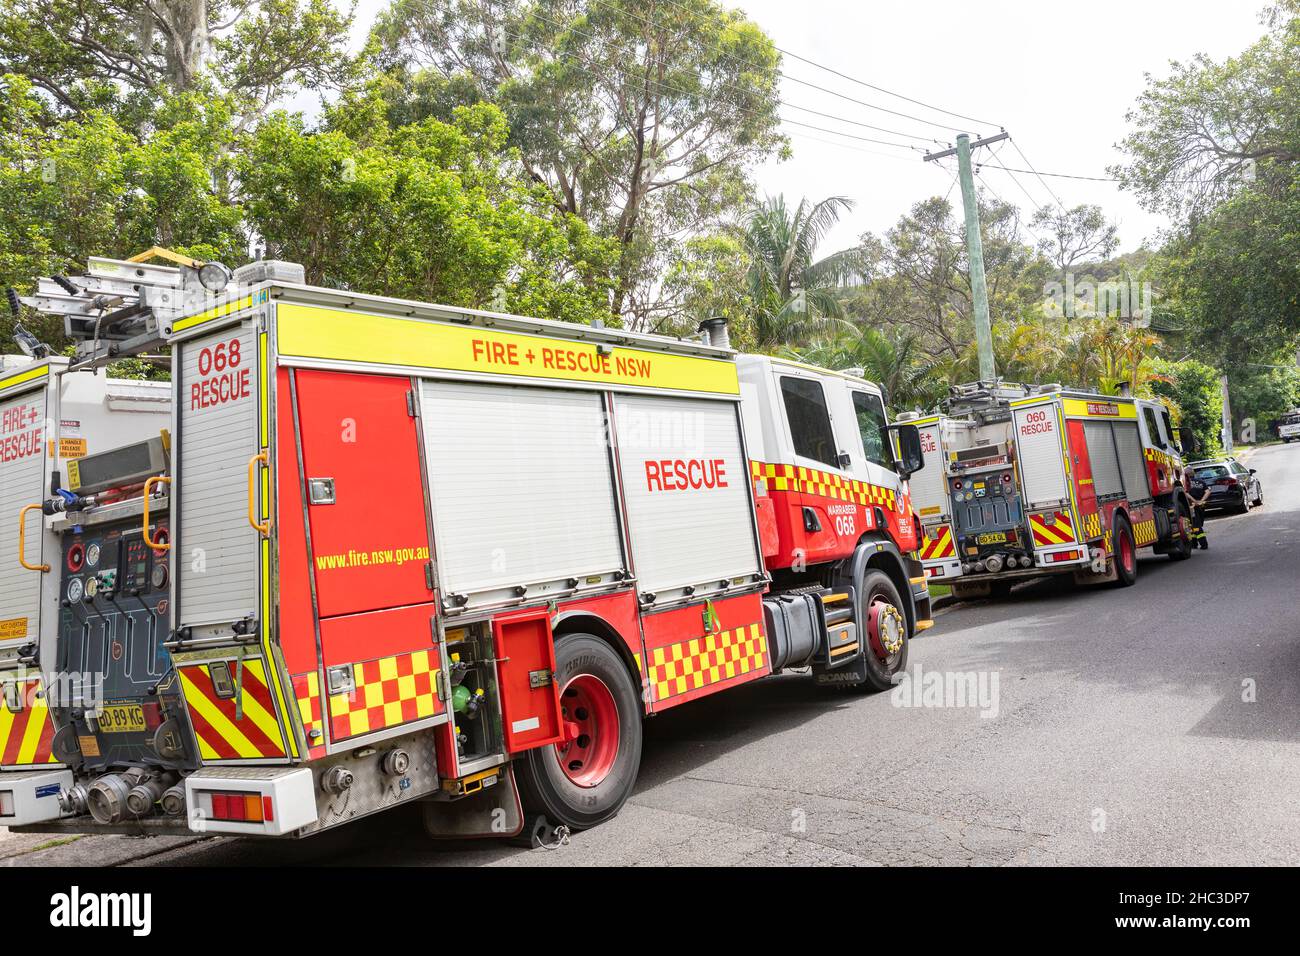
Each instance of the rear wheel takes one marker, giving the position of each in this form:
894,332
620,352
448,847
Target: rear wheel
1259,496
1126,566
585,779
887,637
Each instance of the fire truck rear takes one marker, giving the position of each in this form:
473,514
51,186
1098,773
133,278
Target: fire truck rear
418,553
1025,481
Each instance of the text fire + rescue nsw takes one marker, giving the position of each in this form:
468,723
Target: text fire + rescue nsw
560,359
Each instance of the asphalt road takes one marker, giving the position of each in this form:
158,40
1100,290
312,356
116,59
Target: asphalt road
1154,725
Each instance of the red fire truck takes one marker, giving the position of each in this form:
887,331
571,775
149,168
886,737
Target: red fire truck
409,552
1022,481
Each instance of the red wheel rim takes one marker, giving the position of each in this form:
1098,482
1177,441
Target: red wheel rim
1126,551
590,742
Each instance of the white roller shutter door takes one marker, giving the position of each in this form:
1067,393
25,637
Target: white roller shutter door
1132,461
929,486
216,560
522,485
1101,453
685,481
22,482
1038,452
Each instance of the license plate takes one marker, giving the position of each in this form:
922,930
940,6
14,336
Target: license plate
996,537
121,719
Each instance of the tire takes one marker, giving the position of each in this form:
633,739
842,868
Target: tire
599,778
1180,541
876,586
1259,496
1125,557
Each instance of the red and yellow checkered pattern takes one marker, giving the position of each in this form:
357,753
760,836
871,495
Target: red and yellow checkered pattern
825,484
938,544
1160,457
243,727
389,691
1092,526
1144,533
306,690
26,730
1051,528
689,665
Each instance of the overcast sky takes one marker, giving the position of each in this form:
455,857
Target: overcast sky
1058,76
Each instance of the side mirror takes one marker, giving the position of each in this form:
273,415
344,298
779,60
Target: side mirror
910,459
1252,471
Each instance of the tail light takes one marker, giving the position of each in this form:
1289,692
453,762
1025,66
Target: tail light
1229,482
152,714
238,806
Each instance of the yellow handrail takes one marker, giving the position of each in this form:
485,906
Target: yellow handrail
261,527
22,540
161,547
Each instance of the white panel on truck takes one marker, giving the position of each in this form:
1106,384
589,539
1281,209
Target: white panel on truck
216,550
686,484
1101,453
521,483
22,482
1038,450
929,486
1132,461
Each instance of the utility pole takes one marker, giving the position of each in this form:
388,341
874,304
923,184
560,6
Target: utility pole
1226,431
975,247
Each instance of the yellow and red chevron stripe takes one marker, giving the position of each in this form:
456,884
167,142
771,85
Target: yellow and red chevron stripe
389,691
689,665
27,734
242,727
825,484
939,546
1051,528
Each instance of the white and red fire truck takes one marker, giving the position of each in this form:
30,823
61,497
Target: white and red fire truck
409,552
1022,481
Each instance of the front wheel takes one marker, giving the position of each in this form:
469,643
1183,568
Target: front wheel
585,779
887,631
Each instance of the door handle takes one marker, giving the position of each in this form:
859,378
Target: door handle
22,540
261,527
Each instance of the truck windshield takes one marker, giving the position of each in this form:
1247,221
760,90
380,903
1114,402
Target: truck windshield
874,429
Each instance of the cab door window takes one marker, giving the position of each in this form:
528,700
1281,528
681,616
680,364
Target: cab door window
870,413
1153,427
810,422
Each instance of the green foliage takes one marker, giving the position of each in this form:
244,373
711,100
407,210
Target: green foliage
123,56
433,211
642,117
1193,390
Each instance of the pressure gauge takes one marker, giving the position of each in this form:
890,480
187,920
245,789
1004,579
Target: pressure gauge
158,577
74,589
92,555
92,587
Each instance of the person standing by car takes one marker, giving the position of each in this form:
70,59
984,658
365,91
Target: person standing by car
1198,493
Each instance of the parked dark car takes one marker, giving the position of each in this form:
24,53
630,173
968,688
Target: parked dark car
1232,485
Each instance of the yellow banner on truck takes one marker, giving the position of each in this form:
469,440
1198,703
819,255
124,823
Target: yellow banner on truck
334,334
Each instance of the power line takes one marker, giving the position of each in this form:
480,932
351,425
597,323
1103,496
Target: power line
1025,159
782,74
881,89
1094,179
590,69
881,129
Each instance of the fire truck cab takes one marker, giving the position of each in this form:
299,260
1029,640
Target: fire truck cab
421,553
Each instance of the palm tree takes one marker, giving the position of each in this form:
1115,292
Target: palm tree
795,295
